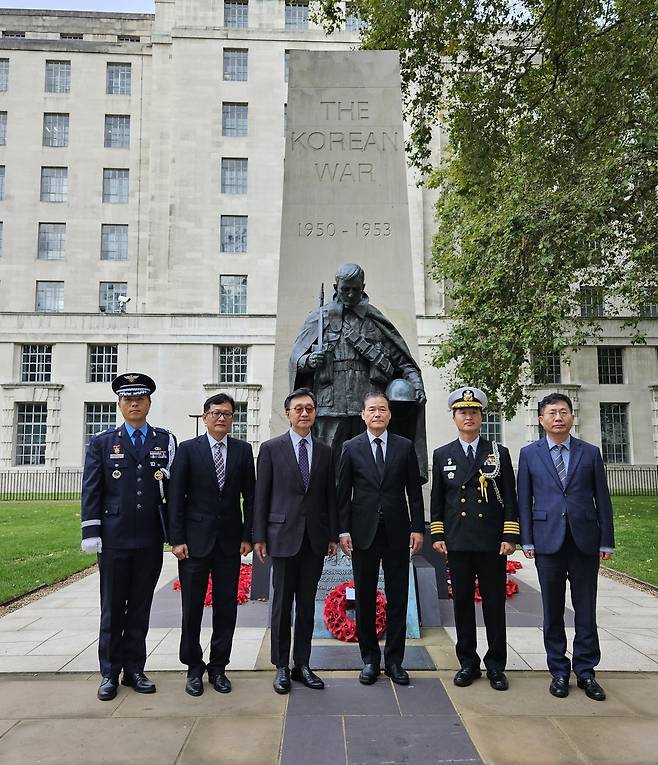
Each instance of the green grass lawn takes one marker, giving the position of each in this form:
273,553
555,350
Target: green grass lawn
636,537
40,545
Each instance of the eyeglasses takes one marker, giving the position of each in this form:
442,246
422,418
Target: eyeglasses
309,408
217,414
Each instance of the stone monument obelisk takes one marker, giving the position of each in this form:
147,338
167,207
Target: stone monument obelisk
344,194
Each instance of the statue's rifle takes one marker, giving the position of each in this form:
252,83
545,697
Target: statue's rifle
320,343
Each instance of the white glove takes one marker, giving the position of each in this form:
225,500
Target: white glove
92,545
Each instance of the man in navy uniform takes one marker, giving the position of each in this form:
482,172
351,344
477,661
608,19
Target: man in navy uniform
474,519
123,521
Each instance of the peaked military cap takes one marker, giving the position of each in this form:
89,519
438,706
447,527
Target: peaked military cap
468,397
133,384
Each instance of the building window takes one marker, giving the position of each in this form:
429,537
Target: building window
70,36
114,242
353,22
611,366
236,64
36,363
548,371
31,434
115,185
233,233
4,74
58,76
50,297
491,426
117,131
118,80
3,128
591,302
54,184
614,432
103,363
234,119
232,363
55,129
2,182
99,417
11,33
296,14
128,38
234,176
649,309
232,294
236,14
109,294
240,421
52,241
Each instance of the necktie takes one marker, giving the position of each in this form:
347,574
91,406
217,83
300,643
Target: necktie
470,455
219,465
559,463
379,458
303,463
137,435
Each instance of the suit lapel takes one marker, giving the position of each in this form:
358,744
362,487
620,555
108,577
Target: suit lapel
545,454
127,442
291,457
231,467
483,450
457,453
148,443
366,448
575,453
206,455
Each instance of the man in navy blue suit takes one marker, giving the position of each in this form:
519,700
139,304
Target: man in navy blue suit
566,525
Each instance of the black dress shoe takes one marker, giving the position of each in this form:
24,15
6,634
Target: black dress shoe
369,674
498,680
281,682
397,674
466,675
304,675
559,686
138,681
592,689
107,690
194,686
220,682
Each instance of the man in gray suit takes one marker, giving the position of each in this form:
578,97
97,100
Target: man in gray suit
295,523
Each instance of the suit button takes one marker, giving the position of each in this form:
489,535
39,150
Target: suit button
139,507
463,486
139,493
463,514
480,515
479,501
138,480
139,467
463,500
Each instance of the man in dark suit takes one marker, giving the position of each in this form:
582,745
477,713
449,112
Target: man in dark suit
123,493
295,523
209,531
566,525
474,521
376,469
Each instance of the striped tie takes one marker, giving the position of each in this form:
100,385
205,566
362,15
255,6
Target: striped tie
219,464
559,463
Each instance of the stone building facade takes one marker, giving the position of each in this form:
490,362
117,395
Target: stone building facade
140,203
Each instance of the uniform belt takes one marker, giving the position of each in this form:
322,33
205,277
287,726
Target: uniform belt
344,365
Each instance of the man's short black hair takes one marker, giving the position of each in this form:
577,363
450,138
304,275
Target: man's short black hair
553,398
375,394
219,398
297,394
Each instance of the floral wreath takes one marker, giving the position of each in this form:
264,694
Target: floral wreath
339,624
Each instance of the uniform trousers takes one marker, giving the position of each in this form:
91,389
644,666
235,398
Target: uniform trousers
294,577
128,579
365,565
193,574
490,570
569,562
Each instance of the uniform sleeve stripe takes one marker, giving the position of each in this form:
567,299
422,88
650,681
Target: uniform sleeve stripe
84,524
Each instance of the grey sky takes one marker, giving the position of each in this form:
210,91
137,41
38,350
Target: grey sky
118,6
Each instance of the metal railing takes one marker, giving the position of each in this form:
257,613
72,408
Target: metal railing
632,480
33,484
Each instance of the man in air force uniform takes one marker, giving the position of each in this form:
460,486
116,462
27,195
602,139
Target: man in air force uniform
123,521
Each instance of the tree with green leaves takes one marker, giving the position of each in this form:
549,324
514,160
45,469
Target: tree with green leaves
547,181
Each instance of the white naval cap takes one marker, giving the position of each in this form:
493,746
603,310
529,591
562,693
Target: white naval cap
468,397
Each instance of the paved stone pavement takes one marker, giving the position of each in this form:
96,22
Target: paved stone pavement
59,633
54,719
